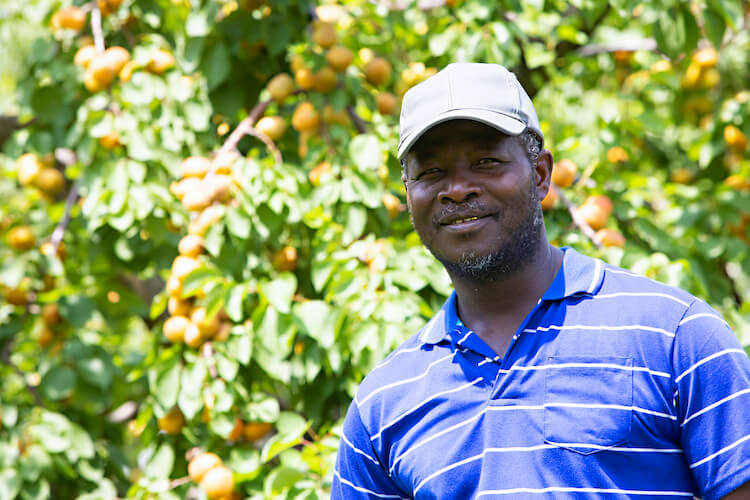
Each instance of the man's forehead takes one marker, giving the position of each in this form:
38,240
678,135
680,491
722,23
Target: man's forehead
453,131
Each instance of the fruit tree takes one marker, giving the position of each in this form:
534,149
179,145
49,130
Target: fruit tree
205,239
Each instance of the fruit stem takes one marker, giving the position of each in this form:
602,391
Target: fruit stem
96,27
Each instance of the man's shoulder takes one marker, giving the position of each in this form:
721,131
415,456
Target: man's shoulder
626,283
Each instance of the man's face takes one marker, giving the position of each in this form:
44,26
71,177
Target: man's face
474,198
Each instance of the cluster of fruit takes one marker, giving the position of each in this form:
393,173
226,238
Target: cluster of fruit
215,478
595,210
701,73
40,173
249,431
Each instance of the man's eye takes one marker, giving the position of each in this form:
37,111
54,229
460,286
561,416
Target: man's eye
485,162
427,173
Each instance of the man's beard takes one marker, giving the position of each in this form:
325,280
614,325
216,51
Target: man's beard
516,249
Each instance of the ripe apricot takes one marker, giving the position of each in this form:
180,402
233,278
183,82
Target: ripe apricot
202,463
706,58
126,73
84,55
325,80
217,482
317,173
178,307
332,115
21,238
174,286
191,245
280,87
223,162
174,329
117,56
207,326
219,187
602,201
28,167
184,186
45,338
305,117
386,103
610,238
110,141
182,266
296,62
160,61
103,69
617,154
564,173
72,18
193,337
305,78
106,7
285,259
593,215
195,166
339,57
254,431
198,199
692,75
392,205
237,430
172,422
15,296
91,83
50,180
378,71
682,176
324,34
735,138
273,126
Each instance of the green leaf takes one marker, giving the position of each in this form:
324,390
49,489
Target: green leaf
199,279
281,479
97,371
226,366
241,347
366,151
235,301
676,31
715,26
318,319
58,383
216,65
280,291
238,223
193,376
160,464
165,382
291,427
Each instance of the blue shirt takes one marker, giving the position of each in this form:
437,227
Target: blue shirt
614,386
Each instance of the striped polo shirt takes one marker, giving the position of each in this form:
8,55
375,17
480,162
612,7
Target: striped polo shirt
614,386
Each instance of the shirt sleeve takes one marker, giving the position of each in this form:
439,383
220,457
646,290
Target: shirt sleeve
712,397
359,474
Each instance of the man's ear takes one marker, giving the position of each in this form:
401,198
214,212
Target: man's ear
543,171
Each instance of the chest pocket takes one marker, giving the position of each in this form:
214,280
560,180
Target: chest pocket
588,402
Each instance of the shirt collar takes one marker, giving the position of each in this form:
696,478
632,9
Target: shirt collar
579,274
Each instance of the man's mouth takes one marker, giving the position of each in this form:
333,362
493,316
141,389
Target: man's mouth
462,220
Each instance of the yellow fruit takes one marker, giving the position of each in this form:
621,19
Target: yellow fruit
197,200
219,187
550,200
682,176
174,329
237,430
223,162
50,180
325,80
594,215
190,245
72,18
339,57
91,83
45,338
305,117
735,138
201,464
737,181
182,266
21,238
317,173
172,422
564,173
184,186
386,103
206,219
392,205
207,327
622,56
285,259
84,55
692,75
706,58
110,141
103,69
118,57
47,250
610,238
195,166
15,296
331,115
273,126
710,78
160,61
297,62
378,71
28,167
280,87
126,73
106,7
51,314
305,78
616,154
178,307
661,66
174,286
601,201
193,337
257,430
324,34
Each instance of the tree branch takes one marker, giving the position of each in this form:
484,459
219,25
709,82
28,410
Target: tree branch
59,232
577,220
96,26
359,123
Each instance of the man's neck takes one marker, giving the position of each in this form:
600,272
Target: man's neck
495,309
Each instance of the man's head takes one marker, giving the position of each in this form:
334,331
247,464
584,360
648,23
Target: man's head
475,170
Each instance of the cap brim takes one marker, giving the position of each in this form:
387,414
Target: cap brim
498,121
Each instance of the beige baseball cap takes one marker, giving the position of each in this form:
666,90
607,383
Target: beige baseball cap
486,93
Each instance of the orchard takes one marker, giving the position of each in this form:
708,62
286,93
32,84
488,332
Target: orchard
205,243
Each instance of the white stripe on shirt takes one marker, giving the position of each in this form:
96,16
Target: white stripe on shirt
714,405
363,490
706,360
725,449
566,489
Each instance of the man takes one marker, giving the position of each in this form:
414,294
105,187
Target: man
546,373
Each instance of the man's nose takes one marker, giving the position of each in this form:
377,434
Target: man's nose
458,188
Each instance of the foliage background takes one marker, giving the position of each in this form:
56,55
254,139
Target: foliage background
81,402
